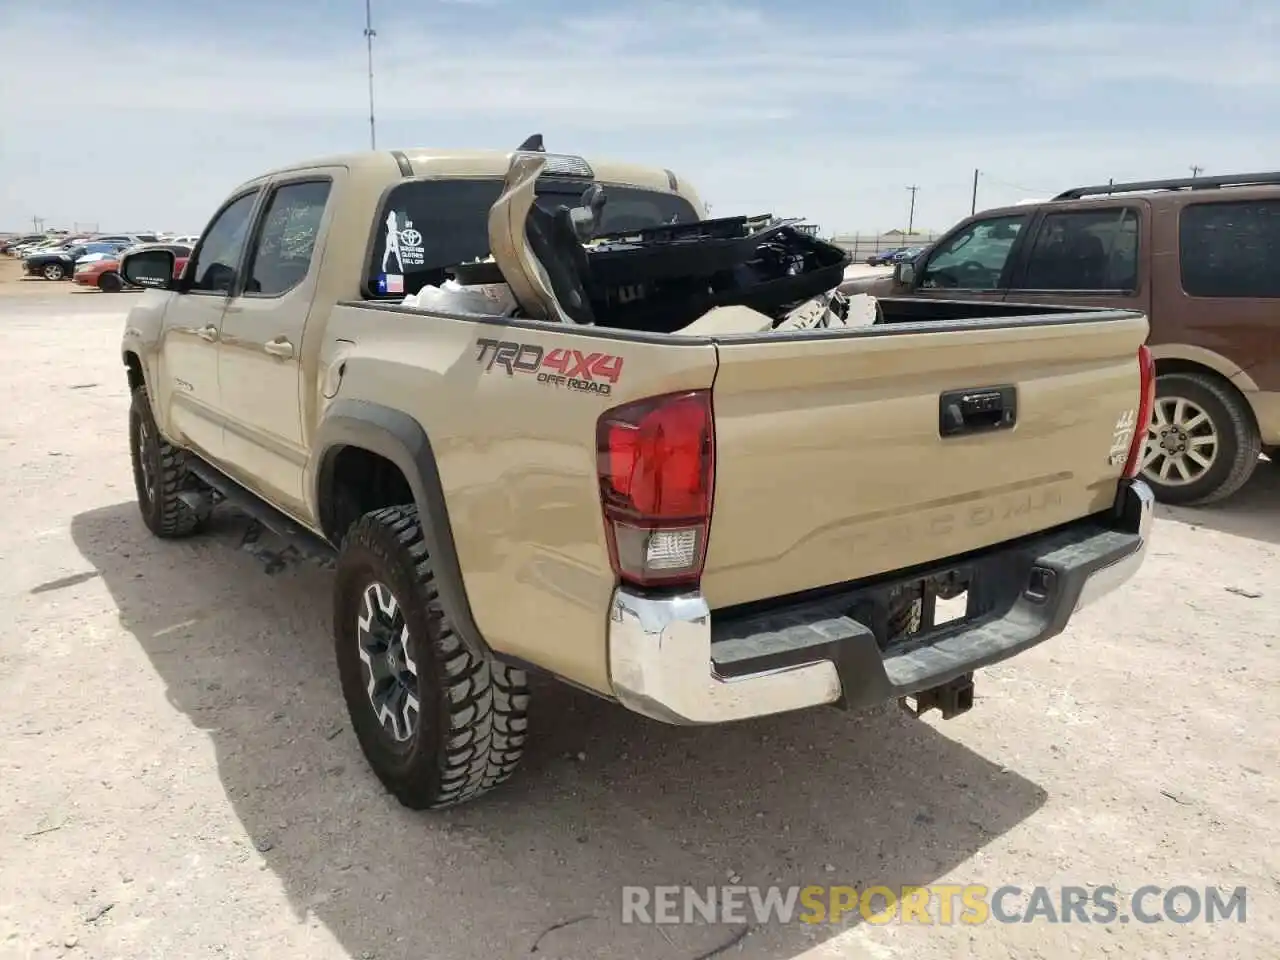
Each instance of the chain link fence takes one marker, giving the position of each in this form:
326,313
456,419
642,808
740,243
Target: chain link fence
863,245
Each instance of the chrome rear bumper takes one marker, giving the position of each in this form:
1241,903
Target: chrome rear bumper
662,662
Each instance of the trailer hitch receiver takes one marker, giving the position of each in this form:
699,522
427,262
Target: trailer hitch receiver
951,698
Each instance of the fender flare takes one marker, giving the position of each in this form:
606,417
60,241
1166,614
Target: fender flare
1219,364
398,437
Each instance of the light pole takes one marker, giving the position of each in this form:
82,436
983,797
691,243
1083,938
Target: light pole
369,34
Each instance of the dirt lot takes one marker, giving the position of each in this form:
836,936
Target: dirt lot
178,778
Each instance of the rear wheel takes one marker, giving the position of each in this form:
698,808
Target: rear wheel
439,724
1202,444
110,282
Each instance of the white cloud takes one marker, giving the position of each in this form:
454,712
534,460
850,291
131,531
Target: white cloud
829,117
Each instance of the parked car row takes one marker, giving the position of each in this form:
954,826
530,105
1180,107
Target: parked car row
60,263
896,255
104,273
40,243
90,261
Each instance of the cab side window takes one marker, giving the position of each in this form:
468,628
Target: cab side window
214,268
287,238
1085,250
975,258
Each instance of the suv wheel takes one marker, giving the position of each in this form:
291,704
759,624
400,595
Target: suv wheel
1202,444
160,475
438,724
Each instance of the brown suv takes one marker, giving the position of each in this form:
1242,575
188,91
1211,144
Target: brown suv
1201,257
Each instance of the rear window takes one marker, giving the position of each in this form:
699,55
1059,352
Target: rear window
440,223
1230,249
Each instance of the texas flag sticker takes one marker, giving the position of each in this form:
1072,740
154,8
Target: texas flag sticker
391,283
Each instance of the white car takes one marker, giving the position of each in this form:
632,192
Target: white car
94,258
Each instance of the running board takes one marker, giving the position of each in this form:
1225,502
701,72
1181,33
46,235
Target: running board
284,526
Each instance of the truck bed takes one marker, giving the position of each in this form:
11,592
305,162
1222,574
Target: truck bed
933,310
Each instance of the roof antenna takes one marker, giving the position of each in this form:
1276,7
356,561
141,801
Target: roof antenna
532,144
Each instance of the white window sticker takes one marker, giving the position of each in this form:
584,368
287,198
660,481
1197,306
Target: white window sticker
403,244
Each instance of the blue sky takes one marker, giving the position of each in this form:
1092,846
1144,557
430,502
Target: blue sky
144,115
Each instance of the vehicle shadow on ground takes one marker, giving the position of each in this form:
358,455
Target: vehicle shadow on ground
1252,512
605,798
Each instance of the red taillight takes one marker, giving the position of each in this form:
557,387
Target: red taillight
1146,407
656,461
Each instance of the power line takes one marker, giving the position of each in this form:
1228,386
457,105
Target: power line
369,34
1013,186
911,217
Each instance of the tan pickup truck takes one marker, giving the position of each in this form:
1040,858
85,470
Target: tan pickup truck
656,491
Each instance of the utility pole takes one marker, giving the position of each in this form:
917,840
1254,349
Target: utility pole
911,217
369,34
1195,171
973,204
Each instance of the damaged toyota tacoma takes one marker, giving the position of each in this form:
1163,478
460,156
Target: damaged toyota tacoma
541,414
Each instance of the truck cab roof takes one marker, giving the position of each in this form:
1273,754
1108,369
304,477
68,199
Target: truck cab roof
474,163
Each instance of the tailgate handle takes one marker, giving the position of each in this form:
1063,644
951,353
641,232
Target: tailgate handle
977,410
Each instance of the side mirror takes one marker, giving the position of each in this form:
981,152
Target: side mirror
149,268
904,273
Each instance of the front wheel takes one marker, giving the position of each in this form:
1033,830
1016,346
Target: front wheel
438,723
53,271
160,476
1202,444
110,282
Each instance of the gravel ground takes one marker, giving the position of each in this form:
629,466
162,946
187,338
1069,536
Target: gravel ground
178,778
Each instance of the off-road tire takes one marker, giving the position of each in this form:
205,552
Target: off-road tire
164,513
110,282
1239,442
473,710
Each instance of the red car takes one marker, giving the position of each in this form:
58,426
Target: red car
105,274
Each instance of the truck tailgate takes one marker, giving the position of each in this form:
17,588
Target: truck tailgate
831,465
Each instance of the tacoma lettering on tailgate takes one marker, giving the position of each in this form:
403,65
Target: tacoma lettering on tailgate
571,369
927,523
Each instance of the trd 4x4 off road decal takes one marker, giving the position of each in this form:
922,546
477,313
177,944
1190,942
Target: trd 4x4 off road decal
572,369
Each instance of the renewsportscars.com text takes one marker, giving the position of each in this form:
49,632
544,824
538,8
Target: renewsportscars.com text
941,904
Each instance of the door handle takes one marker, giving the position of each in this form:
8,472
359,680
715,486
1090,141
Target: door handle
279,347
977,410
209,333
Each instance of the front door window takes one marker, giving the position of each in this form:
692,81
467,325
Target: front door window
975,258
